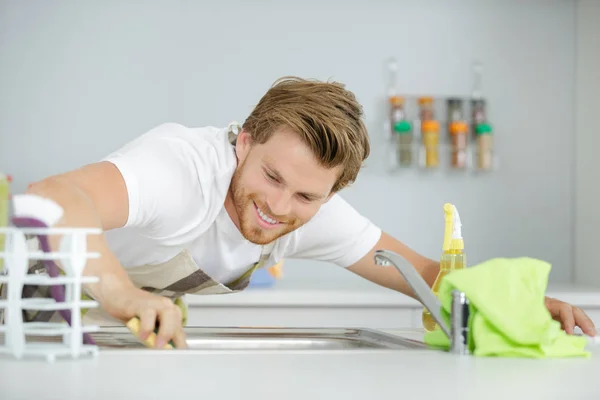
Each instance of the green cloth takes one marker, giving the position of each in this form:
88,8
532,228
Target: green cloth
508,316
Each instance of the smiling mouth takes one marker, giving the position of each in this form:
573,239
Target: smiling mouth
264,219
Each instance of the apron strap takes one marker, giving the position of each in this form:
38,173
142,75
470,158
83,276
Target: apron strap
244,280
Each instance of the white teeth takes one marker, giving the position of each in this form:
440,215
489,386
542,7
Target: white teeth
266,218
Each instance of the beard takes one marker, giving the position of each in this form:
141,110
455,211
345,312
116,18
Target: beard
244,205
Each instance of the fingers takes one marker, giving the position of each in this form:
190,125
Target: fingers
570,317
170,324
567,320
583,321
147,322
179,339
161,312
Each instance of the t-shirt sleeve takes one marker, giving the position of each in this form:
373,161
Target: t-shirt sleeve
161,173
338,233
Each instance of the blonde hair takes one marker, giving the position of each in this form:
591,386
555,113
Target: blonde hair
325,115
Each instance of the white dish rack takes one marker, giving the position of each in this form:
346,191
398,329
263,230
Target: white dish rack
72,258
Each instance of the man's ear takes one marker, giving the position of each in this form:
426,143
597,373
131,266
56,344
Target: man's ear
243,144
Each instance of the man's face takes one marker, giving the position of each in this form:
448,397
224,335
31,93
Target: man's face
277,187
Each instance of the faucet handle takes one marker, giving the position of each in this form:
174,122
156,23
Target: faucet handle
459,323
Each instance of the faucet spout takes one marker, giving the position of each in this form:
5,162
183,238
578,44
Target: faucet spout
458,332
417,283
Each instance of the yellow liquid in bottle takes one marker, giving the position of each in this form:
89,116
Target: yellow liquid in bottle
448,263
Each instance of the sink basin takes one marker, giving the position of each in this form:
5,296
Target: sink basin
233,338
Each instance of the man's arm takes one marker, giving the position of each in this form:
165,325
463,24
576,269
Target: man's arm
96,196
390,277
91,196
569,316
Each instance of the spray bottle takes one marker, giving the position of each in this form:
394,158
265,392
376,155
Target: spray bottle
453,256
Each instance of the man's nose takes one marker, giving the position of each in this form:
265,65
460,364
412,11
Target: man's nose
280,203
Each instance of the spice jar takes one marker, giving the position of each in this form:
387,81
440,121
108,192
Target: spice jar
425,108
397,113
403,130
430,134
458,134
484,146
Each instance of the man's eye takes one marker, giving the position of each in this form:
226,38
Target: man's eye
271,177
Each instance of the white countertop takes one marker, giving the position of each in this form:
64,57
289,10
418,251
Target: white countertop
358,294
347,374
353,374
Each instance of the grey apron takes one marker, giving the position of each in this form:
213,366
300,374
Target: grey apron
173,278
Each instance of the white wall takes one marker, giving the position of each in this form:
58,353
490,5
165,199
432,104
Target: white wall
587,143
79,79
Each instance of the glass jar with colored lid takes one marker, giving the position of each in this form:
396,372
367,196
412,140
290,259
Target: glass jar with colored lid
458,135
403,131
430,134
483,132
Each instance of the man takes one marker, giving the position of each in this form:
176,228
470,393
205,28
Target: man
197,210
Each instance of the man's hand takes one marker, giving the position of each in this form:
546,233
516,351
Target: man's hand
570,316
130,302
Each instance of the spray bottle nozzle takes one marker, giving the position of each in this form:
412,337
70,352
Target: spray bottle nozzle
457,231
453,234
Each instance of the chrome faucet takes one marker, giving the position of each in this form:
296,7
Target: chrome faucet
458,331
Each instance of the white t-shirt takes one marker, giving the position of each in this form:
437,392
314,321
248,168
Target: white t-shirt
177,179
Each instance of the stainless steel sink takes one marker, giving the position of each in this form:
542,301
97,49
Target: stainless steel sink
233,338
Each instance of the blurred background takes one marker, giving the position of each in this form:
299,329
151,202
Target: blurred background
79,79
